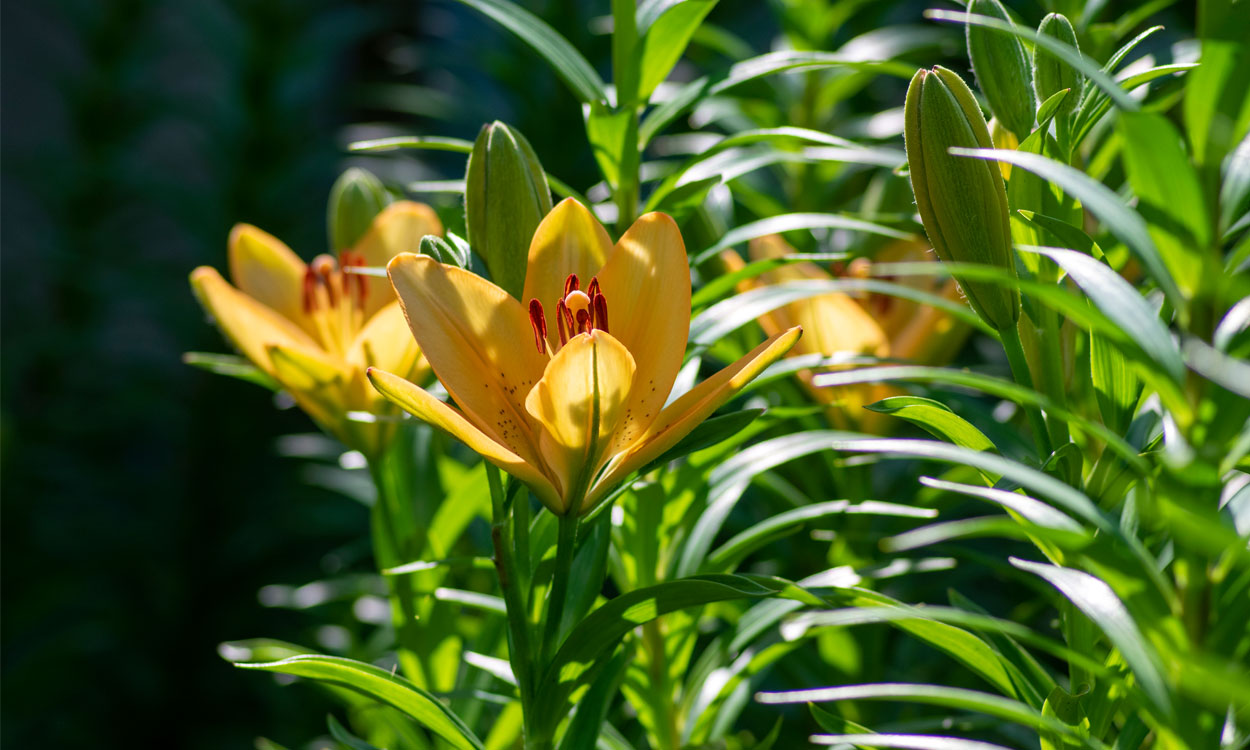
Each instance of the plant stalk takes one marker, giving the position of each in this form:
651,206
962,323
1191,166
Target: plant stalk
387,551
1020,372
559,586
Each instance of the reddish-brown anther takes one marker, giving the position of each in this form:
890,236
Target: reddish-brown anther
570,284
599,305
564,321
310,291
539,322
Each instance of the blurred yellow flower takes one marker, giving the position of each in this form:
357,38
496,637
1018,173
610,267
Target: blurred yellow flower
566,393
315,328
872,324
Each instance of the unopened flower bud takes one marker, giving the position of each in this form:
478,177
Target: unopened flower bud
442,251
356,198
506,196
1051,74
1002,69
962,201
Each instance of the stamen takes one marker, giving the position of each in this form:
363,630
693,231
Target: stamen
583,321
599,305
564,322
570,284
310,291
593,289
539,322
357,281
324,266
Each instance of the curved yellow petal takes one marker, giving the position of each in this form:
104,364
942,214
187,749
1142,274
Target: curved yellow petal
249,325
479,342
420,404
319,386
832,323
398,228
688,411
263,267
774,321
568,240
646,282
580,401
385,342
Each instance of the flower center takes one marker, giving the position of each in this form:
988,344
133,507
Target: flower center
576,312
334,300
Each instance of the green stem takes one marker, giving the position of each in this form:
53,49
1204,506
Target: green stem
520,652
1020,372
1052,377
559,586
387,552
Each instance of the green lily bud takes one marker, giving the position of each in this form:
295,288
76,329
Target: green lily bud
506,196
962,201
1002,69
1051,74
357,197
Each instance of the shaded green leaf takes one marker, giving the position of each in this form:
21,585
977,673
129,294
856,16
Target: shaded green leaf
380,685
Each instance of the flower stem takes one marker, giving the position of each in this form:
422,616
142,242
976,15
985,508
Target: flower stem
559,586
388,550
1020,371
520,652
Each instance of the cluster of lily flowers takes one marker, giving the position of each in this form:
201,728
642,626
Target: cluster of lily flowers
566,389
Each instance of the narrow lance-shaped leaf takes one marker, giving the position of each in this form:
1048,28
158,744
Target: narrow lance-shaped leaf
381,685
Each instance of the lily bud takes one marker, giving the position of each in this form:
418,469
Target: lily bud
506,196
356,198
1051,74
1002,70
962,201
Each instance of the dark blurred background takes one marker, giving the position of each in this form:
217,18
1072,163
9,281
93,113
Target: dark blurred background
144,502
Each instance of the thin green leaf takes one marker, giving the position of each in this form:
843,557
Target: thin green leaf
782,524
666,39
380,685
601,632
1064,52
428,142
563,58
988,384
729,315
231,366
791,223
1123,222
904,741
1119,301
934,695
935,418
1097,600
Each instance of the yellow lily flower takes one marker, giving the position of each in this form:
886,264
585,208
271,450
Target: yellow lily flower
314,328
567,393
871,324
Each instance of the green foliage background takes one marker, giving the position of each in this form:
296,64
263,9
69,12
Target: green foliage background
145,503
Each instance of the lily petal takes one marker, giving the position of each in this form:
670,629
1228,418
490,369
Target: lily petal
317,384
478,340
646,282
580,401
249,325
831,323
263,267
385,342
420,404
688,411
568,240
397,229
